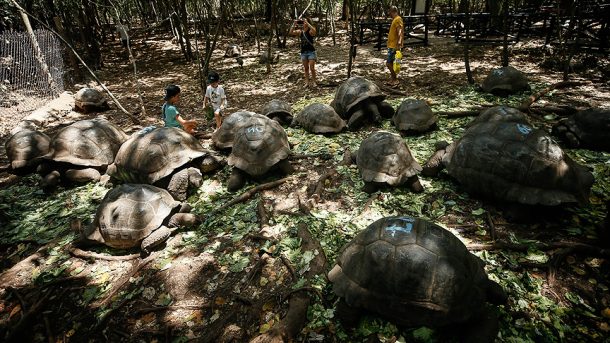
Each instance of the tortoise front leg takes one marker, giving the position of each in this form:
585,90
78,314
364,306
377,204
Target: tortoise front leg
435,162
155,238
183,220
414,184
285,166
181,181
50,180
83,175
237,180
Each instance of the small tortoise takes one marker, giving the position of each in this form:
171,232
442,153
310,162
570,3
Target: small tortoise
165,157
233,51
81,152
384,158
89,100
505,81
132,215
414,116
359,100
415,273
260,145
224,136
500,113
586,129
24,148
513,162
320,118
264,58
278,110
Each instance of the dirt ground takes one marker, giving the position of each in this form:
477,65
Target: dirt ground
223,281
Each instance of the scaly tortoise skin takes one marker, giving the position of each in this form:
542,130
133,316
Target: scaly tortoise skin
588,129
88,100
133,215
414,116
24,148
513,162
259,146
81,151
414,273
167,157
505,81
278,110
385,158
320,118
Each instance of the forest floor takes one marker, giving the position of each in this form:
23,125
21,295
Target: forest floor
222,281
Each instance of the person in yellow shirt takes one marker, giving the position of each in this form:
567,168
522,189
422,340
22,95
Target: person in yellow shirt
395,37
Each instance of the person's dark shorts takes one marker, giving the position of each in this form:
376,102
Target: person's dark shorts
308,56
391,55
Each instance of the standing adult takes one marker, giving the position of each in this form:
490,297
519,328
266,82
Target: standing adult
122,29
395,37
307,32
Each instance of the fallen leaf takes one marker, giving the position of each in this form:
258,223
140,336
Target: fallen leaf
14,311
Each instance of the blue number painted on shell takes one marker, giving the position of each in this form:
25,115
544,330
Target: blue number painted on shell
524,129
406,227
253,129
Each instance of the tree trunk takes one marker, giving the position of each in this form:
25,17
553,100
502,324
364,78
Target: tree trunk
270,39
505,40
352,40
331,5
467,44
71,58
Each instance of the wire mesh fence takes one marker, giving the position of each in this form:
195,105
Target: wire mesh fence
25,86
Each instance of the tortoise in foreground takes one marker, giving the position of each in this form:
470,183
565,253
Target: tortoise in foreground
278,110
24,148
81,152
513,162
385,159
414,116
133,215
500,113
586,129
260,146
320,118
89,100
165,157
359,100
415,273
505,81
224,136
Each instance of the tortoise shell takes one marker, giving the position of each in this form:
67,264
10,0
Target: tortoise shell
320,118
505,81
385,157
89,100
278,110
151,155
129,213
500,113
586,129
414,115
25,147
259,145
517,163
352,92
224,136
91,143
412,272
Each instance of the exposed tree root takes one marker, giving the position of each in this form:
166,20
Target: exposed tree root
76,252
250,193
575,246
320,185
525,104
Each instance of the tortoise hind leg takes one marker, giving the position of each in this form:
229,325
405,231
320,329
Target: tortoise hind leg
414,184
285,166
385,110
155,238
183,220
347,315
370,187
50,180
83,175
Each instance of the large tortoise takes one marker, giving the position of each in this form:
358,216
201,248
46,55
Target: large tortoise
260,146
586,129
141,215
414,116
165,157
500,113
224,136
513,162
24,148
89,100
359,100
415,273
278,110
385,159
81,152
505,81
320,118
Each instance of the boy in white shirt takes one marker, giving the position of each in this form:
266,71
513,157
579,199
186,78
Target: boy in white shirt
216,97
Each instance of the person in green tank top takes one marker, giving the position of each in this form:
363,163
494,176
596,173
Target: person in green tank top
171,115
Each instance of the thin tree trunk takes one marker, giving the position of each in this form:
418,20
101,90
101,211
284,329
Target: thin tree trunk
352,38
332,21
39,55
505,40
73,61
270,39
467,44
258,39
206,66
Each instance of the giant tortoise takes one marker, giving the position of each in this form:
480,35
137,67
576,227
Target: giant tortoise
359,100
320,118
89,100
505,81
588,129
24,148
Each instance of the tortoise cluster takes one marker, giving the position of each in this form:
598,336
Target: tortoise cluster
406,269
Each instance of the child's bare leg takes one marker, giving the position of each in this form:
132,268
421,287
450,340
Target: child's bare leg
312,69
218,119
306,67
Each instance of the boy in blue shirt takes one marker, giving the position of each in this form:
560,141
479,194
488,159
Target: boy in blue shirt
170,113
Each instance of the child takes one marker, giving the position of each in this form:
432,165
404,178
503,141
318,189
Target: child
215,96
171,116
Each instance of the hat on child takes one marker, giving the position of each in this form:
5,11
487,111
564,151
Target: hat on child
213,77
171,91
